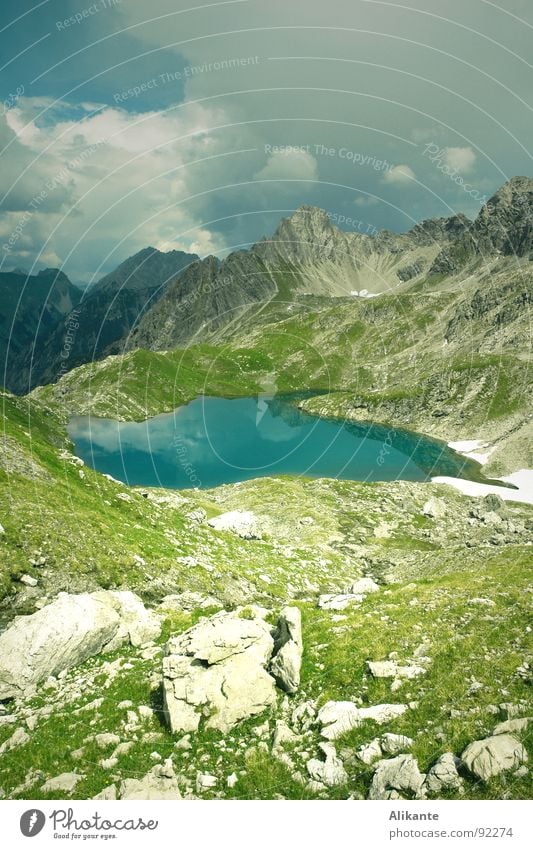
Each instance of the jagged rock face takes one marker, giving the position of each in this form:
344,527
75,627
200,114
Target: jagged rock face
506,221
94,325
67,632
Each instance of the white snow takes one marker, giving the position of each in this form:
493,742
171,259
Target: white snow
470,448
523,479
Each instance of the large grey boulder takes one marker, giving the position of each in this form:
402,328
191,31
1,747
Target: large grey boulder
68,631
288,649
397,778
493,755
217,671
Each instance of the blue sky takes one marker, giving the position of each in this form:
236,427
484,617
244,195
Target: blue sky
198,125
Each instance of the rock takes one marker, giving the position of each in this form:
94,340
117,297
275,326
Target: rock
339,717
205,781
370,752
28,580
494,502
19,738
329,772
65,633
282,735
443,775
137,624
160,783
189,600
513,726
244,523
65,783
395,776
231,780
288,649
382,668
198,515
363,586
389,669
338,601
493,755
434,508
107,794
103,741
393,744
216,670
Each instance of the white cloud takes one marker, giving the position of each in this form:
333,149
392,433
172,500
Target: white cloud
460,159
289,165
399,175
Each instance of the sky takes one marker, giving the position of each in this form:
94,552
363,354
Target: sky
197,126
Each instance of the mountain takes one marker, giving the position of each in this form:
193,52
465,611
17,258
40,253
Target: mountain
30,306
307,255
98,319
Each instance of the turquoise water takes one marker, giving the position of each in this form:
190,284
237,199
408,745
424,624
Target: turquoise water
214,441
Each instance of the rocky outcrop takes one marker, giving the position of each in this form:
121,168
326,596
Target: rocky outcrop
160,783
330,771
353,594
444,775
67,632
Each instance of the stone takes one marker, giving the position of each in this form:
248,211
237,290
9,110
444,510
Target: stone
137,624
67,632
28,580
244,523
443,775
330,772
107,794
231,780
370,752
339,717
282,735
393,744
382,668
160,783
19,738
288,650
513,726
65,783
493,755
363,586
397,778
217,671
205,781
103,741
434,508
337,601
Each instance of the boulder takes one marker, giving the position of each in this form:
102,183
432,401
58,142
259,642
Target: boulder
19,738
66,632
390,669
370,752
513,726
288,650
217,671
397,778
363,586
493,755
244,523
160,783
434,508
443,775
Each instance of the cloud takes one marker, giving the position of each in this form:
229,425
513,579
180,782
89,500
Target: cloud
399,175
289,165
460,159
